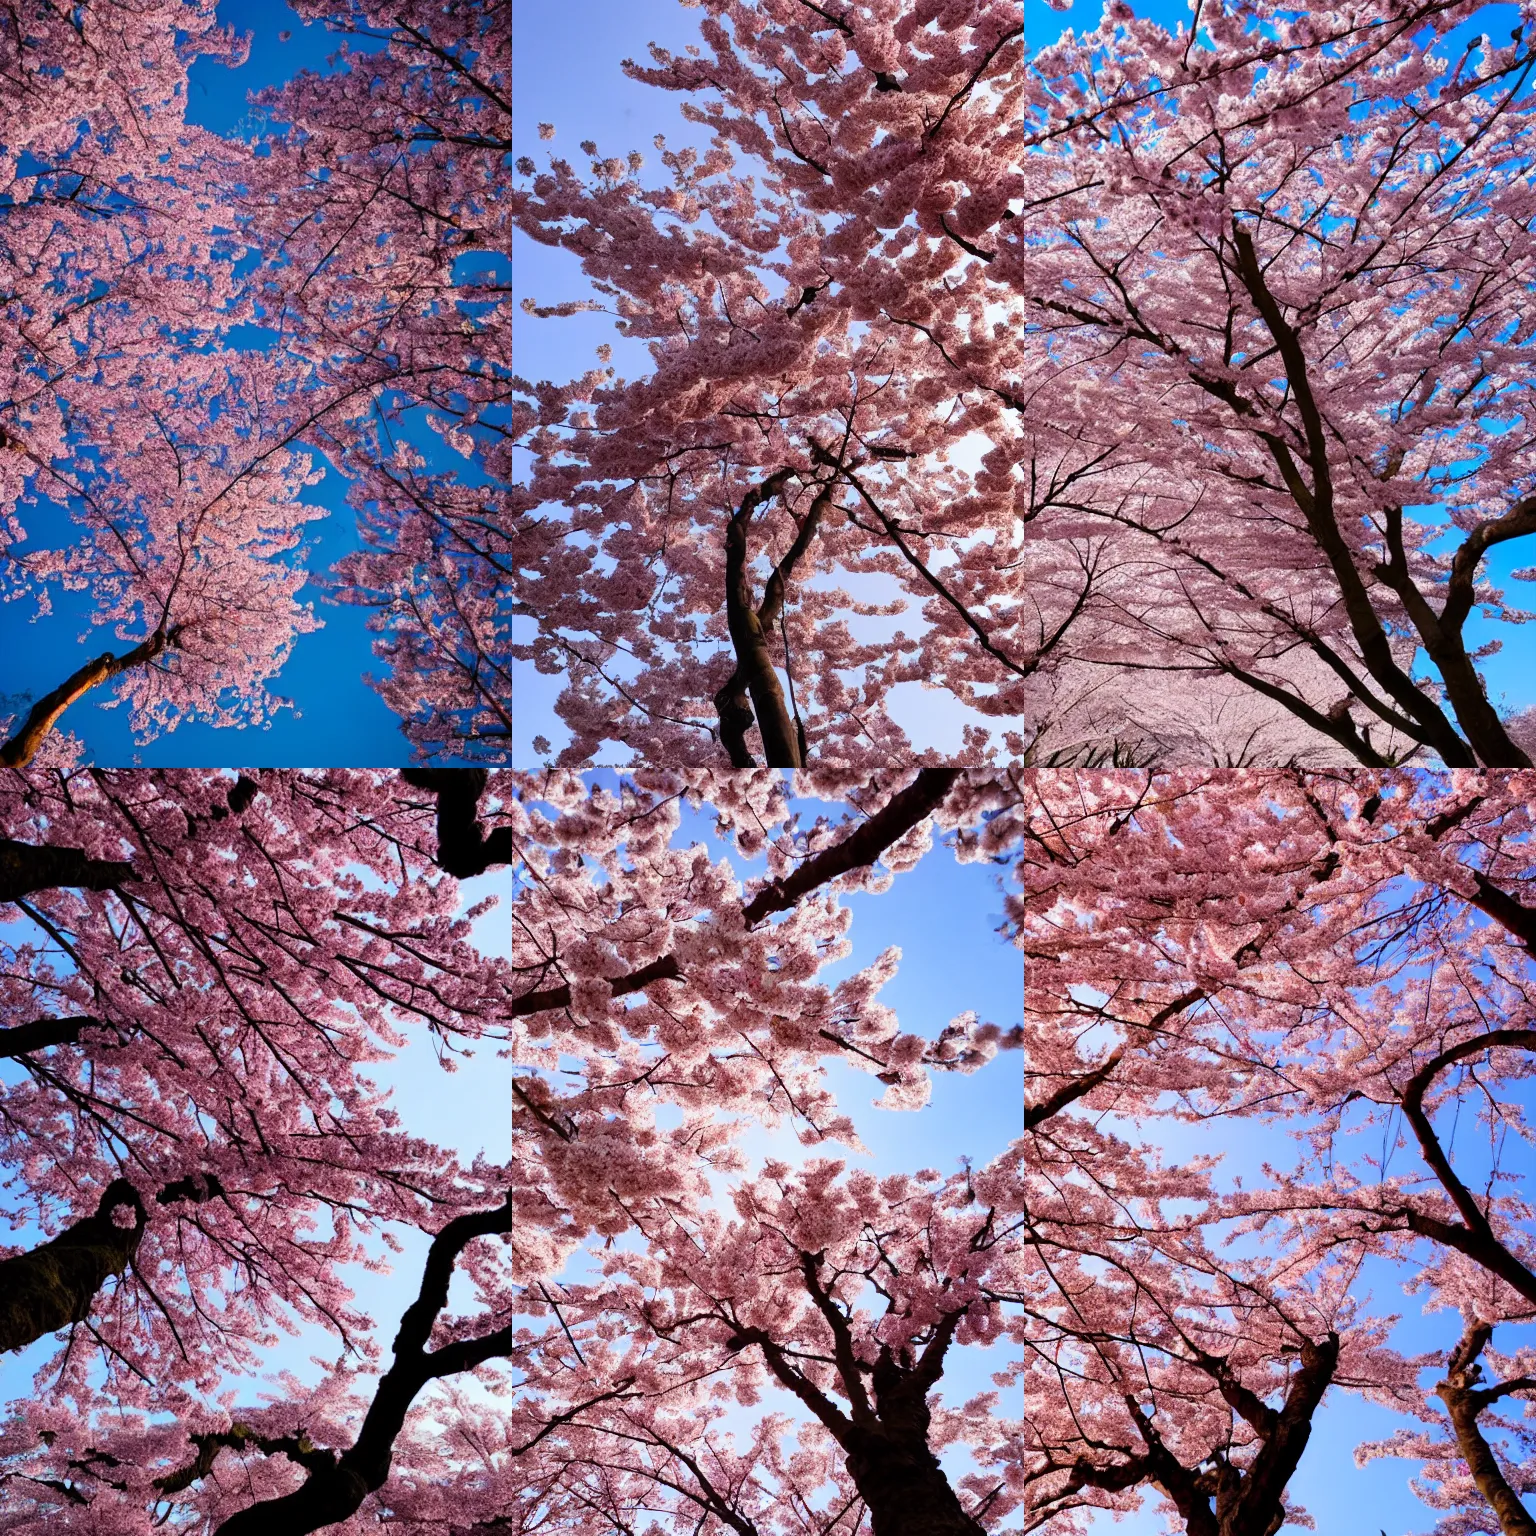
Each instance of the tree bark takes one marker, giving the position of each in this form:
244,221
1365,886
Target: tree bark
1443,639
906,1489
735,720
883,1432
664,969
903,811
1223,1499
28,867
55,1283
754,665
24,745
1464,1402
1316,505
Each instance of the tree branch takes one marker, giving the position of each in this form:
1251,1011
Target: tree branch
463,846
24,745
337,1485
27,867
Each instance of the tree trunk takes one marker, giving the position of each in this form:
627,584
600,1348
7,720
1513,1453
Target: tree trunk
1462,1404
736,719
28,867
906,1489
463,847
55,1283
24,745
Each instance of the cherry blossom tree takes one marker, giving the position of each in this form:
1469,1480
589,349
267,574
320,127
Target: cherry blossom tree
1305,294
134,1473
681,1014
705,545
846,1291
199,969
1336,953
385,202
1463,1472
114,258
1156,1362
181,450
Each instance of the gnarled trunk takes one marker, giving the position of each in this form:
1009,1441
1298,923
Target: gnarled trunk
905,1488
55,1284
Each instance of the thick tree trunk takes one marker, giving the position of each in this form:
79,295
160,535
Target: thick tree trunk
736,720
28,867
906,1489
24,745
55,1284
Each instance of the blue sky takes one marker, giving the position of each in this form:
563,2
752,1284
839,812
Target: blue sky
944,917
337,719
